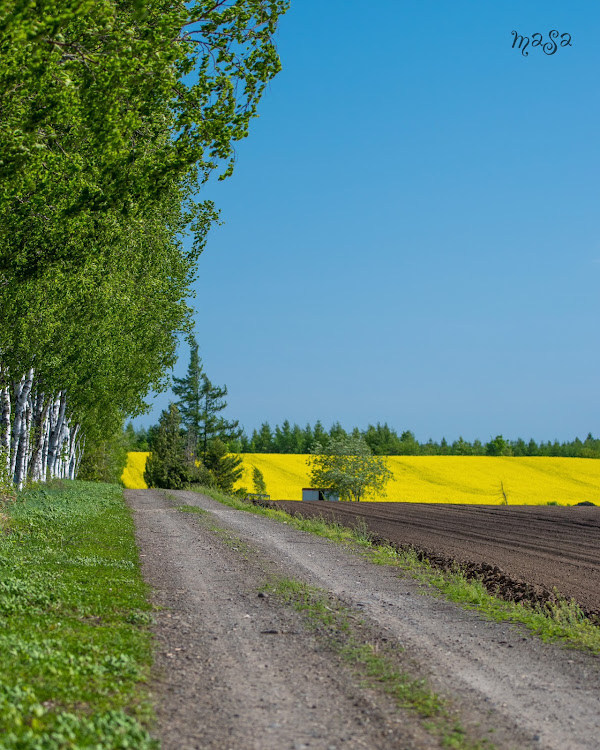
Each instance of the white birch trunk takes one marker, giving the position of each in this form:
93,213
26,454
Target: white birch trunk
22,391
46,445
56,427
5,422
73,452
39,437
64,451
79,454
22,462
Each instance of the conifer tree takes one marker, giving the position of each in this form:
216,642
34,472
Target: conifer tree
199,404
224,467
189,391
263,440
258,481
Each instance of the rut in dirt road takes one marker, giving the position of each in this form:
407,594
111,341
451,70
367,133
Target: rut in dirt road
235,670
232,684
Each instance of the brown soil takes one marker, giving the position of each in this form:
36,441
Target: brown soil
520,553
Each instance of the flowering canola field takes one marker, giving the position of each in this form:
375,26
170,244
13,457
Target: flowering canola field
133,474
433,479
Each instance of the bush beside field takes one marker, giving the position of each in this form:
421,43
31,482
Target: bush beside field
433,479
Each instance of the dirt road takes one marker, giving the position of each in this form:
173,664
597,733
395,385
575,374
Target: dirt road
240,671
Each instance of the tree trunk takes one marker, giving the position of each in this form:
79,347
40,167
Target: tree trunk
79,454
22,391
22,462
5,421
39,437
57,419
74,445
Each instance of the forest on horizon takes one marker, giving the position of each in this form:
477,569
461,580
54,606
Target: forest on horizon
383,440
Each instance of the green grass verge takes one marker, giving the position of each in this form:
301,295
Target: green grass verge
373,662
563,622
73,623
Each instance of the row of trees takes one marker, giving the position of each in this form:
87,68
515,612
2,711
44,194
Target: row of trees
112,116
385,441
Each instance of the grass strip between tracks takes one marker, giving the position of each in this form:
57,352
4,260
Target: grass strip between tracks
373,661
74,619
562,622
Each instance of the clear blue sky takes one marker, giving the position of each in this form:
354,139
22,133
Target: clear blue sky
412,231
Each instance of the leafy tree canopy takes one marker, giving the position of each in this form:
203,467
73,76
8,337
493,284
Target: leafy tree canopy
348,466
105,104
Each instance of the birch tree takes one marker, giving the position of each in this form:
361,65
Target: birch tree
112,115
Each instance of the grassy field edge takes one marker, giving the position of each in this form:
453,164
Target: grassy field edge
562,622
74,622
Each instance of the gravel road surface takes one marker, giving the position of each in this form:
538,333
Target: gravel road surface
236,670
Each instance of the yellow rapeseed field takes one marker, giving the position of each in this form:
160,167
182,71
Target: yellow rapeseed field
133,474
434,479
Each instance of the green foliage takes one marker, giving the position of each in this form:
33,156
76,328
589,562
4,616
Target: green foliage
385,441
168,465
224,467
105,461
106,104
258,481
139,439
112,115
73,617
498,447
348,466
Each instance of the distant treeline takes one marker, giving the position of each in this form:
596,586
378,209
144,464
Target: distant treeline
385,441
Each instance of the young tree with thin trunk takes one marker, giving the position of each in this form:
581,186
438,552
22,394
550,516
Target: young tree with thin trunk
258,481
348,466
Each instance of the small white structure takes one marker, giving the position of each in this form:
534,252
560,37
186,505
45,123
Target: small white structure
320,493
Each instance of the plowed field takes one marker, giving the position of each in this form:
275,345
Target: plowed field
525,552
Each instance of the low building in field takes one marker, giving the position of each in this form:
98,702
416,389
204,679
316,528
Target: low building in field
320,493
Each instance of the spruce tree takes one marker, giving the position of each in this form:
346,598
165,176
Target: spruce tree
224,467
258,481
189,391
199,404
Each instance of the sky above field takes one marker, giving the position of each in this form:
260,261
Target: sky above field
411,234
